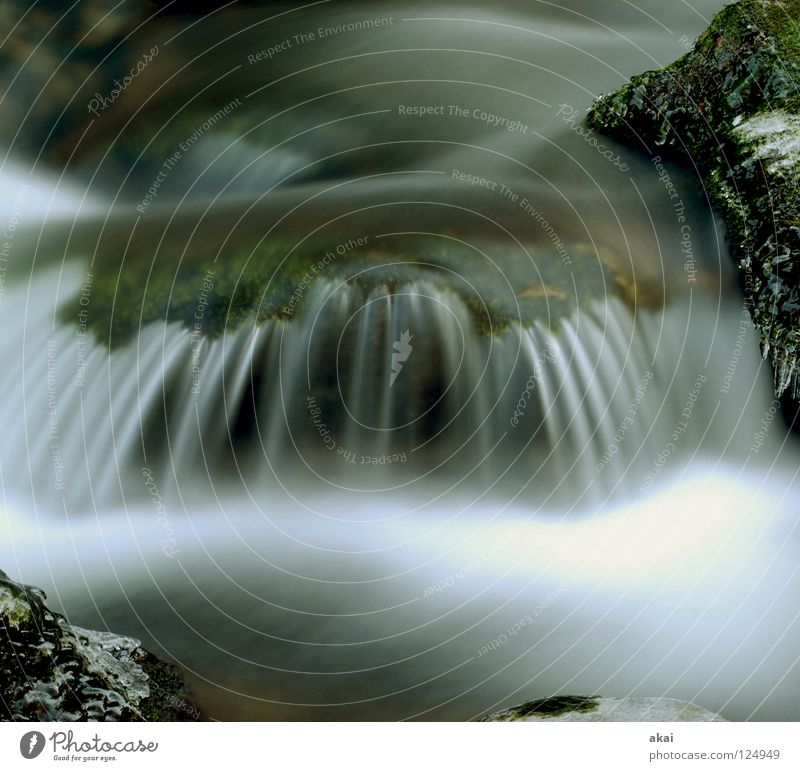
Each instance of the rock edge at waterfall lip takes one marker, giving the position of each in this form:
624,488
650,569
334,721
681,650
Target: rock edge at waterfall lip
598,709
53,671
729,107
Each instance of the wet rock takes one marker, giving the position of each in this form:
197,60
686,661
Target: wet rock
50,670
730,108
596,709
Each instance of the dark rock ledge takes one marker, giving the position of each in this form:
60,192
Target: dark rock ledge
50,670
598,709
730,108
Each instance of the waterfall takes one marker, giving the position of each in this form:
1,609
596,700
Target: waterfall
518,441
566,415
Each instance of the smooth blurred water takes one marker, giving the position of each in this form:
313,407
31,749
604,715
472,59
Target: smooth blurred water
632,533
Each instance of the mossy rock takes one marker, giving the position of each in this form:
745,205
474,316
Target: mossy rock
554,707
214,276
729,108
50,670
598,709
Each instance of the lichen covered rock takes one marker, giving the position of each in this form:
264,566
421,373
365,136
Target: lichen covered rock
596,709
730,108
50,670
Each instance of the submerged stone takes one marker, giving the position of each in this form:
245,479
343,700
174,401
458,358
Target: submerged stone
216,271
729,107
596,709
50,670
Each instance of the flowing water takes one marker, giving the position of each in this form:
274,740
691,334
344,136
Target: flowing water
514,439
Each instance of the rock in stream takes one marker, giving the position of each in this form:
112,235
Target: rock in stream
730,108
50,670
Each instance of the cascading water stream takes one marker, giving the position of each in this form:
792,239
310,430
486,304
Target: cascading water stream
491,452
266,400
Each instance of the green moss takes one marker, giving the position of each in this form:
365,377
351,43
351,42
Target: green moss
169,697
547,708
743,68
14,610
211,290
54,671
748,57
